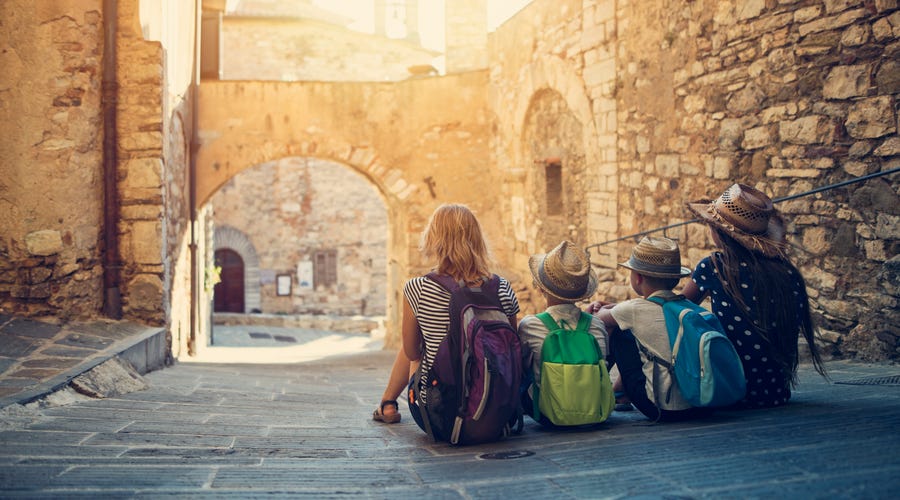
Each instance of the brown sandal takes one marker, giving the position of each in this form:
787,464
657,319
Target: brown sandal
379,415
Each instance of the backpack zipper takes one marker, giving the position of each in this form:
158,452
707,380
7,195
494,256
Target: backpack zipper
484,396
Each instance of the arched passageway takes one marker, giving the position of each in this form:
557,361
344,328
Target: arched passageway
428,150
316,232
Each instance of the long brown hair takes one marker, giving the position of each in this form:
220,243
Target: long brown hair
772,282
454,240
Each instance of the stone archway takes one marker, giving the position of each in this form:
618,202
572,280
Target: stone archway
592,136
233,239
419,142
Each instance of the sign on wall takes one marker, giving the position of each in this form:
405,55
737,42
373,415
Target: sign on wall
305,274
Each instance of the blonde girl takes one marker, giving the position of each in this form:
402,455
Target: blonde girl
454,244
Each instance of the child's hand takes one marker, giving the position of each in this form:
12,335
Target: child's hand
595,306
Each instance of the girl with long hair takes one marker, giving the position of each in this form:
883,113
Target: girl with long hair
756,291
455,245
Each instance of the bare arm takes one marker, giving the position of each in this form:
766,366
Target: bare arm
606,316
692,292
412,336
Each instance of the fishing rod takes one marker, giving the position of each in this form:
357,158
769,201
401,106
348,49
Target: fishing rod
777,200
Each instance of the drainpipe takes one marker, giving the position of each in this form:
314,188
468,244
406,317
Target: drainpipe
112,303
192,182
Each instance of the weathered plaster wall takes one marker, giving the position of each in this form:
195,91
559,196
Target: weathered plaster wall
51,175
307,50
292,208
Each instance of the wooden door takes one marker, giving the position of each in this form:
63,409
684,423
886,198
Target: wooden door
228,295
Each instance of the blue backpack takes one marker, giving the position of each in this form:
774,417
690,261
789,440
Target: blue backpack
705,364
472,387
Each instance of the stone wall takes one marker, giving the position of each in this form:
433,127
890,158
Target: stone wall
52,249
306,50
140,116
784,96
293,208
552,91
51,173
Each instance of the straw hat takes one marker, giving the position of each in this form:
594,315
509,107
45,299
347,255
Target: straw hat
658,257
564,273
747,215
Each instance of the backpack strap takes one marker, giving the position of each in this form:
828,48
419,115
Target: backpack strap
548,321
662,299
423,412
445,281
584,322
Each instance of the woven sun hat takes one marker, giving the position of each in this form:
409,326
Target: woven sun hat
658,257
564,273
747,215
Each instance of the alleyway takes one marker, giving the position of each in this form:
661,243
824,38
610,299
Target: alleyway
247,431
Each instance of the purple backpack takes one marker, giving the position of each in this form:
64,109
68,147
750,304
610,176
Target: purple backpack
472,388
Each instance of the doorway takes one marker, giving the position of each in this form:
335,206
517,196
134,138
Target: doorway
228,294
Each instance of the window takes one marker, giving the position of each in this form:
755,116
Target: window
553,180
325,267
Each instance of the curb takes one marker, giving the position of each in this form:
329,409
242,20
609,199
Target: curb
145,351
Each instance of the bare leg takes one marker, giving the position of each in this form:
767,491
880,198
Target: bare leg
398,381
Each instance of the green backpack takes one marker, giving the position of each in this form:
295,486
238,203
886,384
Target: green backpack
575,385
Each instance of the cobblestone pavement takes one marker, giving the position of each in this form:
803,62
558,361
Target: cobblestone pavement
305,430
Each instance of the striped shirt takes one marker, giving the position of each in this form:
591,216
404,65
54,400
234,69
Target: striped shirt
430,303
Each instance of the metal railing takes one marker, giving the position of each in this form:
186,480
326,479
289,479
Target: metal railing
777,200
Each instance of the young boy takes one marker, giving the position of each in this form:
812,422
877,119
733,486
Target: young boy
637,326
564,277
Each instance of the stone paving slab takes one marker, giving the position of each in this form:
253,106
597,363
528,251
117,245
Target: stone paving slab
38,358
224,431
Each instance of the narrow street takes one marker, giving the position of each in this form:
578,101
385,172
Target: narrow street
305,429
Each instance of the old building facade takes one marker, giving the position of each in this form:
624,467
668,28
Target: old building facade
589,120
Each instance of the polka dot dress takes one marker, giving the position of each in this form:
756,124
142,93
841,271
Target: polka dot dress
767,384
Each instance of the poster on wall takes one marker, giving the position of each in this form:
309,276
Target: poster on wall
283,285
305,274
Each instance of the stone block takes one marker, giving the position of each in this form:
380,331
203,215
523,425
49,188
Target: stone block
146,242
142,141
890,147
871,118
793,172
882,30
602,71
806,14
44,242
815,240
887,226
142,173
887,79
756,138
807,130
876,250
667,166
844,82
722,167
835,6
